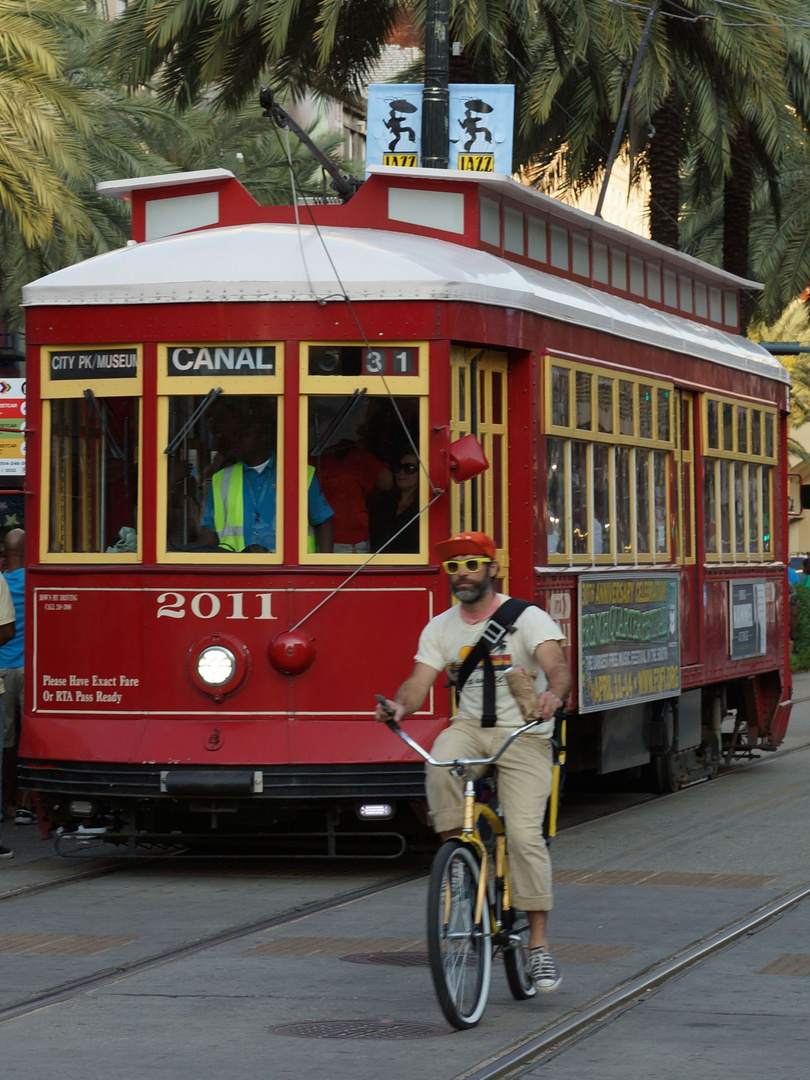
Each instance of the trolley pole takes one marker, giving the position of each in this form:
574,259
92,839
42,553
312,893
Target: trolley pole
435,98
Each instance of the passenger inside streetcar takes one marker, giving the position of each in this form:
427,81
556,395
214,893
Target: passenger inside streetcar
350,439
240,504
348,473
395,514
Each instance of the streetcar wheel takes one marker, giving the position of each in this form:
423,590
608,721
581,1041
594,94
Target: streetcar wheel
516,955
666,772
460,952
665,766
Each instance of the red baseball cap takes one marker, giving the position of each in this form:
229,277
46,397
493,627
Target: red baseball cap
466,543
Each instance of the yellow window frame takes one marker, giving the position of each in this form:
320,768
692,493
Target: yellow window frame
713,455
488,363
592,434
268,385
59,390
734,452
340,386
570,433
685,479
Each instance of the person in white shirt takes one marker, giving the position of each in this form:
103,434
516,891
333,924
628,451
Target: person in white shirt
525,770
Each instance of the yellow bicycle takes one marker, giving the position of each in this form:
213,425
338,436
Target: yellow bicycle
470,917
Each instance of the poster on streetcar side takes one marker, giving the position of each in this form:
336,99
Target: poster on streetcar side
629,637
747,625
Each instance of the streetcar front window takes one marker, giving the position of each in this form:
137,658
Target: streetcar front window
221,473
94,475
362,454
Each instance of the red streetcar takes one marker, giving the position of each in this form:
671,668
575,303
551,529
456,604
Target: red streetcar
192,678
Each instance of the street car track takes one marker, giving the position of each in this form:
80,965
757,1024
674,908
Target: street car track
70,989
580,1023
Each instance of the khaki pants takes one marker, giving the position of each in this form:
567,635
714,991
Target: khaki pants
524,784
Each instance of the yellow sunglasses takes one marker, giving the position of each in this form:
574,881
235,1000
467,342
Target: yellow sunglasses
471,566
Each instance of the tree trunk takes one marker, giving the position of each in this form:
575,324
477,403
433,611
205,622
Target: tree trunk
737,214
664,159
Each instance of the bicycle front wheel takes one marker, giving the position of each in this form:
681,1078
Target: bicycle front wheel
516,954
460,951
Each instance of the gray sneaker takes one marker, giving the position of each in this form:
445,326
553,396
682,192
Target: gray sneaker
543,970
6,853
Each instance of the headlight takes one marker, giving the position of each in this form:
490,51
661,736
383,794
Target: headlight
216,665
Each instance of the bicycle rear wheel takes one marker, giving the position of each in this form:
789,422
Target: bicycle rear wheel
460,952
516,954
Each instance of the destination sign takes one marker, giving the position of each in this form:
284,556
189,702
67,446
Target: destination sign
221,359
93,364
629,640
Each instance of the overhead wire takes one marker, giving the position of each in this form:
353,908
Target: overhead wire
344,296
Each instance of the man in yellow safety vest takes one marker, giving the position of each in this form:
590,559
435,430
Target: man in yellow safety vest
240,507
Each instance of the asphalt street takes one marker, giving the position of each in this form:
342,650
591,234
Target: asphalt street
343,992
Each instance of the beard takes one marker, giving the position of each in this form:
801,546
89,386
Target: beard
469,592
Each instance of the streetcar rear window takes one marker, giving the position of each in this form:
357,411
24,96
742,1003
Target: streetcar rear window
93,475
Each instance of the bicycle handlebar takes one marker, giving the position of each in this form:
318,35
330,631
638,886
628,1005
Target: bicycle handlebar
414,745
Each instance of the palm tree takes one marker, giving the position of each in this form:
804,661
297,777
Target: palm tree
42,121
189,46
705,87
65,127
104,134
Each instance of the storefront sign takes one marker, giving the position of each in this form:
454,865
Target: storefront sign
93,364
221,359
629,643
747,623
12,427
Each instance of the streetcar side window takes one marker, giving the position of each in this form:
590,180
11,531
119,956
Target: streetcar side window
739,458
610,466
94,475
222,474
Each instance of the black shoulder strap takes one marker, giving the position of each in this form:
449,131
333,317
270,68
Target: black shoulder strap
498,626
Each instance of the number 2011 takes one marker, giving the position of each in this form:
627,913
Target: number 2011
207,605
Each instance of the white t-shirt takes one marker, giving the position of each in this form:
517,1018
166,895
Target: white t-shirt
447,640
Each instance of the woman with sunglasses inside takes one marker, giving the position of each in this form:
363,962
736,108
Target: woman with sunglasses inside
398,508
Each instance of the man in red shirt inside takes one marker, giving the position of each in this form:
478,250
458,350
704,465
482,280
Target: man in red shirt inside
347,476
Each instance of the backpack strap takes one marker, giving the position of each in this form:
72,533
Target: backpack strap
498,626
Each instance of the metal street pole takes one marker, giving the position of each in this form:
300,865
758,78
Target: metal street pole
435,99
631,85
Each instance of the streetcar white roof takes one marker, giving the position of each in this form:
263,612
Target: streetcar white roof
264,263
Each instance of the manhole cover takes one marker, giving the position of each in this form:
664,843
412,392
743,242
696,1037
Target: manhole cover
392,959
360,1029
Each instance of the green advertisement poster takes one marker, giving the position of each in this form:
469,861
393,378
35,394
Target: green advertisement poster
629,639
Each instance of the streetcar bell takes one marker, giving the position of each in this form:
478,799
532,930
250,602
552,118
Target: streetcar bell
216,665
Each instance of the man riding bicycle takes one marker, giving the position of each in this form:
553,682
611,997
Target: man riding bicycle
486,711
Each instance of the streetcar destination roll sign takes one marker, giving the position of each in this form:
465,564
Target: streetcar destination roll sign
93,364
221,359
629,640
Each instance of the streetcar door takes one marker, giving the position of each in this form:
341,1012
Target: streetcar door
479,407
685,518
